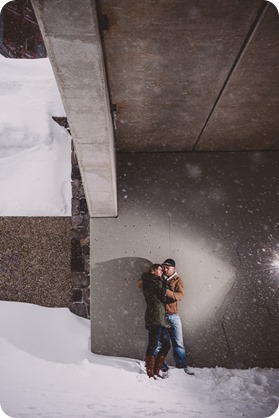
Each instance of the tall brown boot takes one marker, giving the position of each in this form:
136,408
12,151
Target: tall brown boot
158,363
149,364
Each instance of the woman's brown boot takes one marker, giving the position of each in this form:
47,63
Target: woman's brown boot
149,364
159,363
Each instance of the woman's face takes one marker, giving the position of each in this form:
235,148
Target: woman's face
158,271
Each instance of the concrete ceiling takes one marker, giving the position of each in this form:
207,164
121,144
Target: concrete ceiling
193,75
162,75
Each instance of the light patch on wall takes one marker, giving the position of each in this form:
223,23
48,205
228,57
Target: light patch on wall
207,278
275,262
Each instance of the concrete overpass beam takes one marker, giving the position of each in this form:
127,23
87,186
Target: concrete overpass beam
71,35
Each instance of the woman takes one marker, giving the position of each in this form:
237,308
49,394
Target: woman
155,319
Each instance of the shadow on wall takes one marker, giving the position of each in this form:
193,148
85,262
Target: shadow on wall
119,328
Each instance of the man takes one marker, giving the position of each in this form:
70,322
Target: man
174,293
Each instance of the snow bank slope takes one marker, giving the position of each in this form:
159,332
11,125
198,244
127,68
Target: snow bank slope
35,164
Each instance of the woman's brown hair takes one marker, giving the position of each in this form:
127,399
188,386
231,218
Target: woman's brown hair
154,267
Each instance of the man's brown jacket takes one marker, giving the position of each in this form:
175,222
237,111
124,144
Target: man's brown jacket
175,293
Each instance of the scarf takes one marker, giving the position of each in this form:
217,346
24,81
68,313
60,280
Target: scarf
168,279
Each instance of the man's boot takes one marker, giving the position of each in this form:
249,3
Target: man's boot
159,363
149,364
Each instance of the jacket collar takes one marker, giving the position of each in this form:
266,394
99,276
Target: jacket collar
170,277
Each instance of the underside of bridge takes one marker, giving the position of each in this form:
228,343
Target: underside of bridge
162,76
182,97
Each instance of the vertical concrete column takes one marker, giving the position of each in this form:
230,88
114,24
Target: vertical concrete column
71,34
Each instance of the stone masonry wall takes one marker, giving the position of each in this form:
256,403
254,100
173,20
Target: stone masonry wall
80,239
80,245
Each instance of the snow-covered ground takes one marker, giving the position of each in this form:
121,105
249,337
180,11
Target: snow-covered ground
47,370
35,152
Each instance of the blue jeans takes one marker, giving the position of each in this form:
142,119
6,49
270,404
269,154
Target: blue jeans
179,351
158,337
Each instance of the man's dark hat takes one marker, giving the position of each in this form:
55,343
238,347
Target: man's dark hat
169,262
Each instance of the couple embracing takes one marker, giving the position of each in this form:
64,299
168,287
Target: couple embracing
162,289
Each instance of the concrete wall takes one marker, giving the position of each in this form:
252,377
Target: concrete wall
217,215
35,264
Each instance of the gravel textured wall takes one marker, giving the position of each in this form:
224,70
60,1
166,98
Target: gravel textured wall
35,265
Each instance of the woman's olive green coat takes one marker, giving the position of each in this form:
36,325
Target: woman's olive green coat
154,293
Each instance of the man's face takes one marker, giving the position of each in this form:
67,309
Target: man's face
168,270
